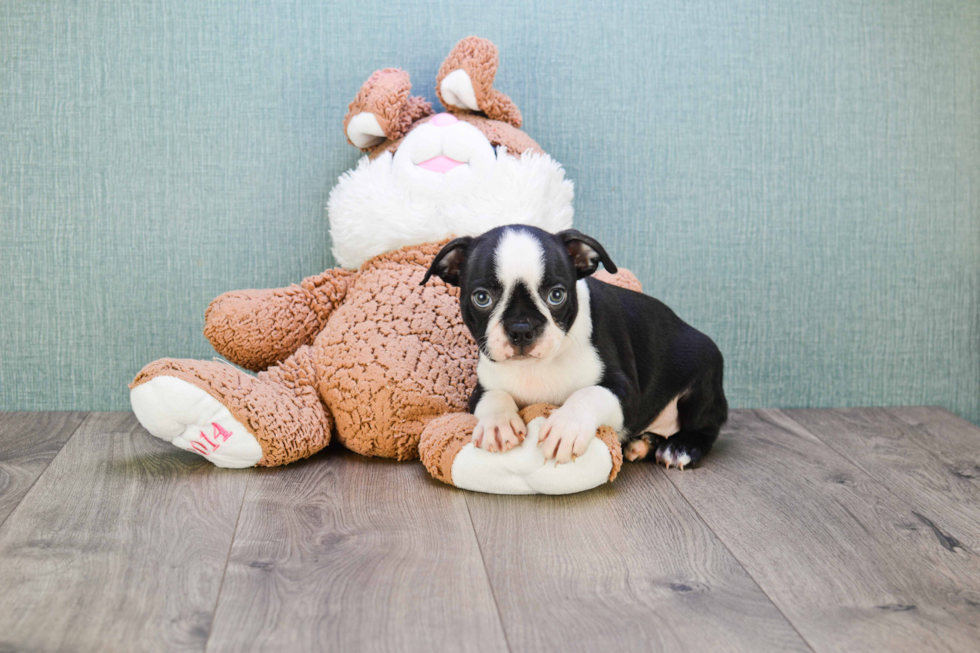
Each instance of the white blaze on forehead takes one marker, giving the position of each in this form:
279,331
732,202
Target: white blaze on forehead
519,257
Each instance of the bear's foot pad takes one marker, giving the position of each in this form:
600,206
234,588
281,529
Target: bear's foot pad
523,469
191,419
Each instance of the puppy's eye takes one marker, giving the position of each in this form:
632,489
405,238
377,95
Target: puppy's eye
482,298
556,297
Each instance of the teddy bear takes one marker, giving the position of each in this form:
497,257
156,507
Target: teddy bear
362,352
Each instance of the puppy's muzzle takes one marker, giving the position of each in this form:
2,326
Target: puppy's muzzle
523,334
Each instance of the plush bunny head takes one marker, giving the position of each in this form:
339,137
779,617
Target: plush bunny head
429,176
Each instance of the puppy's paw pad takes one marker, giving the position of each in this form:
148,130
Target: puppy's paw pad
637,449
678,454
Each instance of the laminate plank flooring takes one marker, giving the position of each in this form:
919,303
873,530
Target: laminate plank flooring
819,530
926,457
848,563
121,545
628,566
345,553
28,443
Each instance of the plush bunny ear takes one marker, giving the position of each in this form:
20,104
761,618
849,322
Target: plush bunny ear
465,82
383,109
586,253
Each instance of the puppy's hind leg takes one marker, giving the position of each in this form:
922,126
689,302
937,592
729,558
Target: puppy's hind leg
686,449
640,448
702,413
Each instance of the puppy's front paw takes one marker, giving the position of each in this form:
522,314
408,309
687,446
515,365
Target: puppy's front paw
499,432
566,435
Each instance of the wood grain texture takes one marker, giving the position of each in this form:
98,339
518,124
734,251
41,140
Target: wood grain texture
844,530
120,546
627,566
849,564
344,553
926,456
28,443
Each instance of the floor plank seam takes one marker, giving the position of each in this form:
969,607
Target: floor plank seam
736,559
891,570
224,572
874,479
486,574
65,444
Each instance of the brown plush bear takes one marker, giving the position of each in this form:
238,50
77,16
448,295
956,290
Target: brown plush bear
362,350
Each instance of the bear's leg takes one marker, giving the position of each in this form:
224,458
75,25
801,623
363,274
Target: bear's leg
232,418
447,452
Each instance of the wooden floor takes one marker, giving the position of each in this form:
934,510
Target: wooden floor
820,530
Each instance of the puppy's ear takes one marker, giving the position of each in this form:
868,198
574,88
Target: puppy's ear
448,261
586,253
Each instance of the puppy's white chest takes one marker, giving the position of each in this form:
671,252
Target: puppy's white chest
551,382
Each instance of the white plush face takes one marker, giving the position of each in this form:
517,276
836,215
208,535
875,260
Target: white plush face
445,179
448,147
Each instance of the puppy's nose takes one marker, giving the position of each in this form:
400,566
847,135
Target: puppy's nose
522,334
443,120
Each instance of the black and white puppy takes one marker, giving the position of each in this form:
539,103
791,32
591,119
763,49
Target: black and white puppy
606,355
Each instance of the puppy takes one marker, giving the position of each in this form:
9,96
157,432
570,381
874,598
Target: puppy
607,356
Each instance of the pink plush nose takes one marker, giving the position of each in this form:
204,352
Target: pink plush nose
443,119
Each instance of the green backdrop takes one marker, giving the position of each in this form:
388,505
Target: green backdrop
800,180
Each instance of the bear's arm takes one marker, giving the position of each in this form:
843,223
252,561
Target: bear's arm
623,278
258,328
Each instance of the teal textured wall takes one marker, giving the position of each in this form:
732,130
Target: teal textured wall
800,180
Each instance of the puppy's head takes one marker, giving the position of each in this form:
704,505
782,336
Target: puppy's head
517,287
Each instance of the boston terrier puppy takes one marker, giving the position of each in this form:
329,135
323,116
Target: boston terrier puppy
606,355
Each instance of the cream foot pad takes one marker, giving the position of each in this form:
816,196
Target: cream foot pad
523,469
191,419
